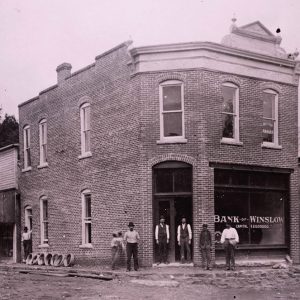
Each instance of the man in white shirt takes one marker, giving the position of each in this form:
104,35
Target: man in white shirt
162,236
131,239
26,239
184,238
229,239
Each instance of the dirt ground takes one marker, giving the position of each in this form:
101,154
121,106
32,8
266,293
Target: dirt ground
14,285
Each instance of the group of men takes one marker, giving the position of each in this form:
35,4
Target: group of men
184,239
229,239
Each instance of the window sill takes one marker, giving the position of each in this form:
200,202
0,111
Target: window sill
43,246
87,246
85,155
43,165
172,141
26,169
271,146
228,141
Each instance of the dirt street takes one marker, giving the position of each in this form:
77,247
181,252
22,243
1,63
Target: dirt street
218,285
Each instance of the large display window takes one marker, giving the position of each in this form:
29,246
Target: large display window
255,203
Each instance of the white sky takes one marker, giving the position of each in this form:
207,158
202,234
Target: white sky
38,35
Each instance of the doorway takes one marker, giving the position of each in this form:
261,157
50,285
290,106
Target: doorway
6,240
172,198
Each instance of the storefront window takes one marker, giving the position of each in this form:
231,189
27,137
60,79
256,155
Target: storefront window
255,203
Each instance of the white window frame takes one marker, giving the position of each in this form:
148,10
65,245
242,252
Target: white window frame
171,139
274,144
43,221
43,143
28,217
236,117
85,220
84,129
27,154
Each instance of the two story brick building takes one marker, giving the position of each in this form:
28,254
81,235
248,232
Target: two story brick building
200,129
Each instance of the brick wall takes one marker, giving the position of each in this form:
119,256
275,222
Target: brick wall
125,130
111,173
203,121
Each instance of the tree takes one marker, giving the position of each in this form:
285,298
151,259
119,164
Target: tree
9,131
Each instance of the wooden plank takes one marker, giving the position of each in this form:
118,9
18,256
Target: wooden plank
107,278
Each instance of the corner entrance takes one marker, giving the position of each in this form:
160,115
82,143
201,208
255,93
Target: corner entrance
172,198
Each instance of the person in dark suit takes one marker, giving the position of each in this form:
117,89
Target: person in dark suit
205,246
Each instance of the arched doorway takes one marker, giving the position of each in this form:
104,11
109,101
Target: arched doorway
172,197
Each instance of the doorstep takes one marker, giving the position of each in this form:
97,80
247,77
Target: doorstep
172,264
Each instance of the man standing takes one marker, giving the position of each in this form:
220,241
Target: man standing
229,239
184,238
26,239
162,236
131,239
205,246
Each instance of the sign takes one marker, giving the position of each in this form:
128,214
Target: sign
253,221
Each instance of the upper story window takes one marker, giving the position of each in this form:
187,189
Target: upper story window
270,118
44,220
43,142
230,113
27,155
85,120
86,217
171,111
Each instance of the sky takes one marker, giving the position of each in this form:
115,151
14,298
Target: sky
38,35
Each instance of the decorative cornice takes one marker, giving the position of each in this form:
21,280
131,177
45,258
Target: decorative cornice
213,47
257,36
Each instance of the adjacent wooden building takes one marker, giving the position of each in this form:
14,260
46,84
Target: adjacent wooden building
10,217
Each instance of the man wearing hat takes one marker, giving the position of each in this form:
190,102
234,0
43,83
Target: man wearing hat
229,239
184,238
205,246
131,239
162,236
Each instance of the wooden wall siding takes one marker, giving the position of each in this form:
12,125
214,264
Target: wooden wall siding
7,207
8,169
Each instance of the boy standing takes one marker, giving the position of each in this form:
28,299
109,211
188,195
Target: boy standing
117,246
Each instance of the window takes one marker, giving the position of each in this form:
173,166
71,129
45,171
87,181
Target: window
270,118
27,156
28,217
43,142
85,111
86,218
172,177
44,220
230,112
256,203
171,111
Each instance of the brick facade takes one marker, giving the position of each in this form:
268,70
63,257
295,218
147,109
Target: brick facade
125,128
